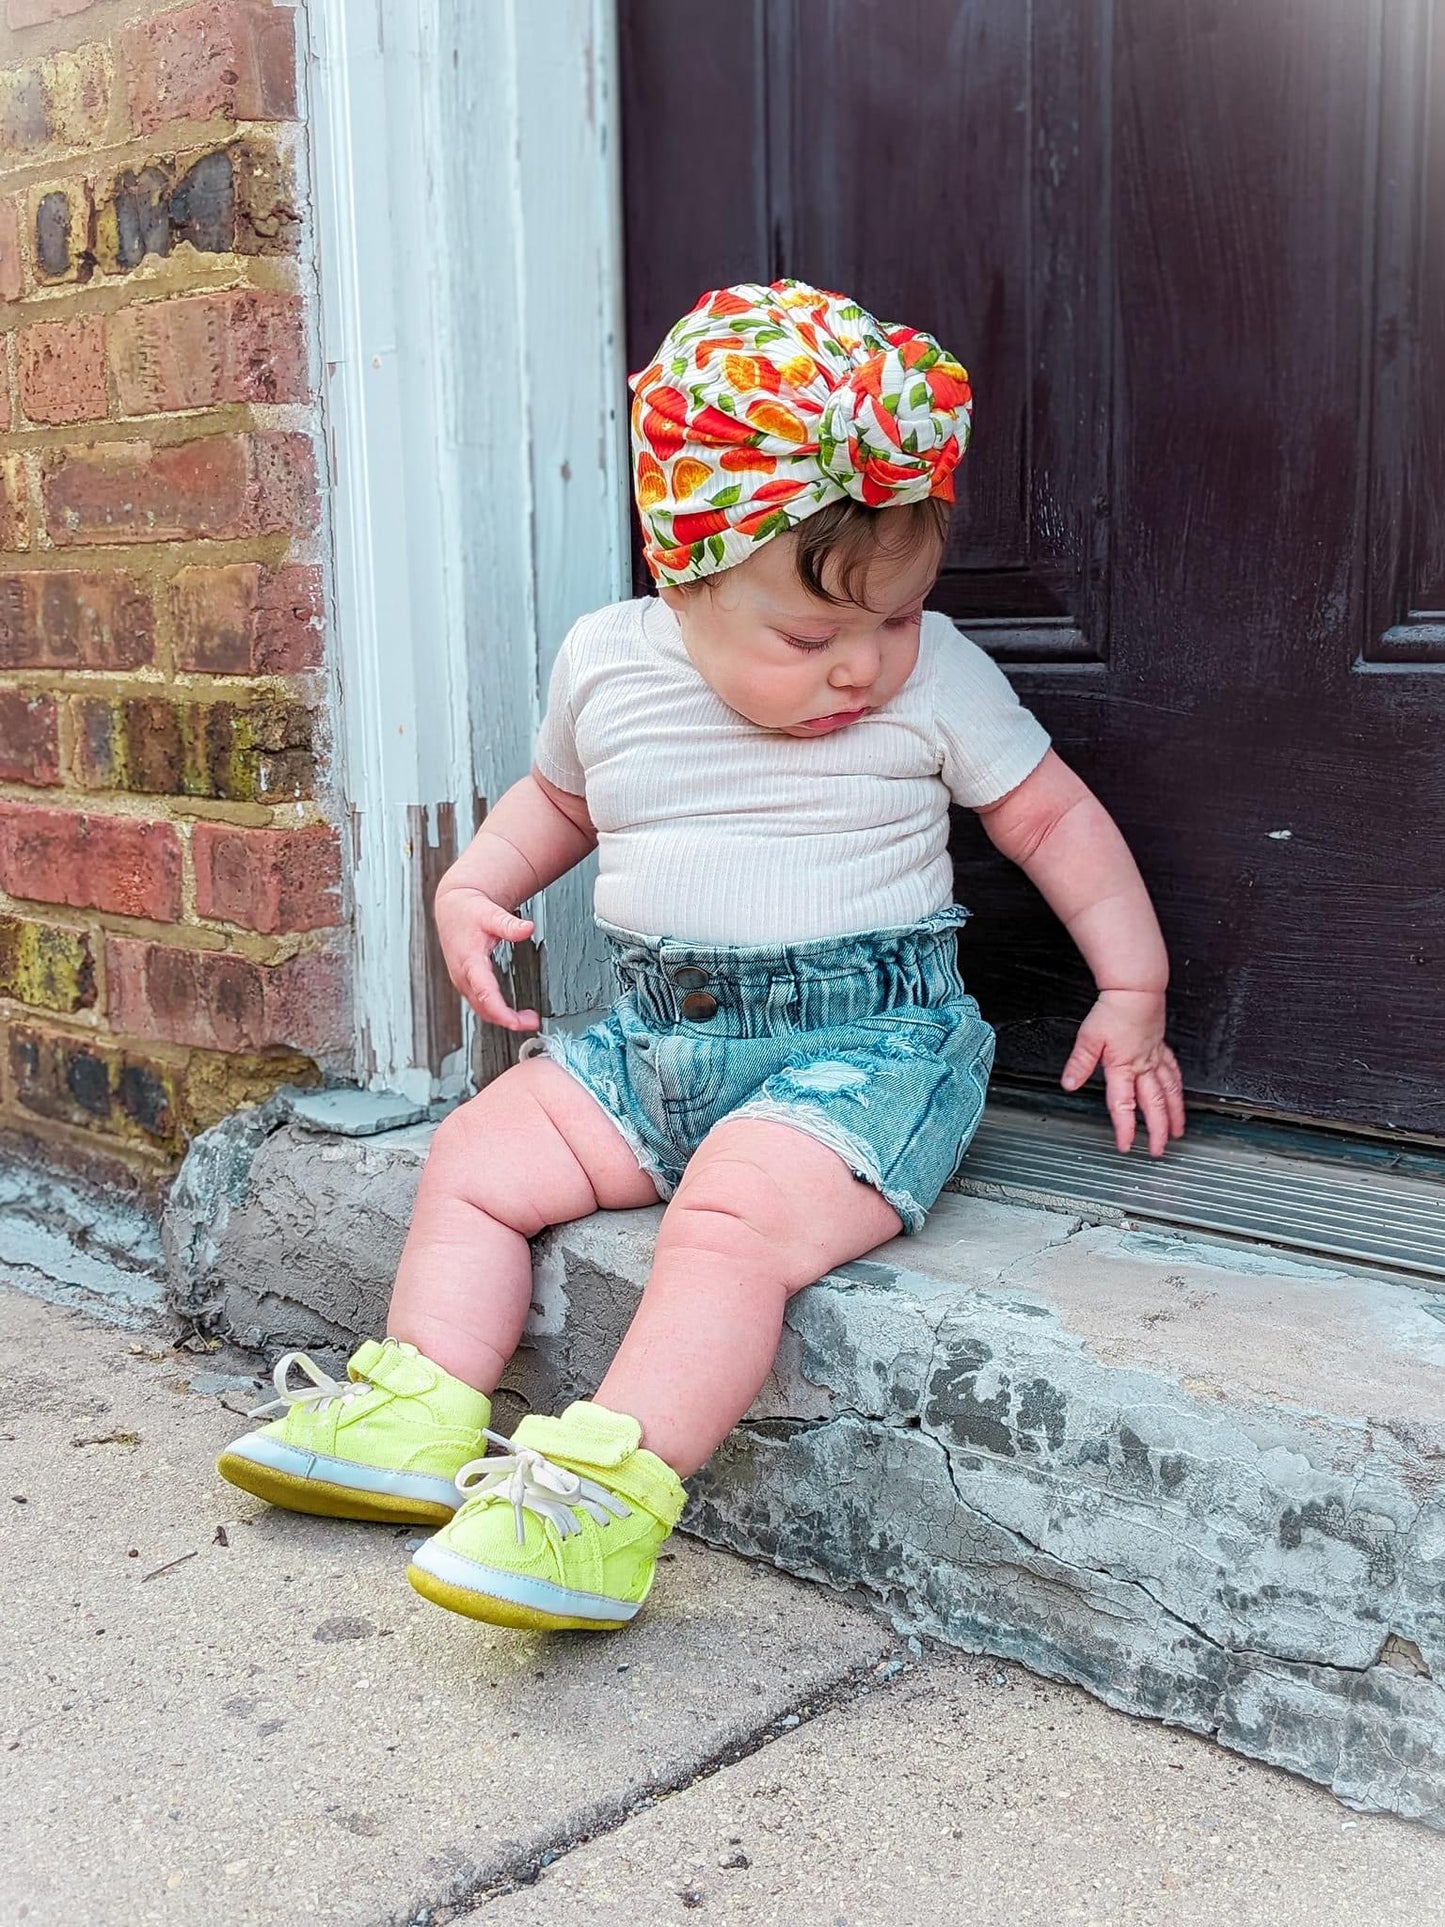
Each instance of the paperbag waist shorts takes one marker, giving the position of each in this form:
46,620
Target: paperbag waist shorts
868,1043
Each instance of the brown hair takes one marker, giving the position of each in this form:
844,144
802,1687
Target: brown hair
853,537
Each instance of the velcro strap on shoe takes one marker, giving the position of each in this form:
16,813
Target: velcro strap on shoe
399,1368
584,1431
606,1446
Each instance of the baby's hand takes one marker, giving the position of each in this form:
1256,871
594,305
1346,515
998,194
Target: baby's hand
1125,1030
470,926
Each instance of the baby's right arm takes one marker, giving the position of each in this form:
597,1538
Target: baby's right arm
535,834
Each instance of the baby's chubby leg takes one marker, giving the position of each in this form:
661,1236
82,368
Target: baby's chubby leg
564,1530
762,1210
532,1149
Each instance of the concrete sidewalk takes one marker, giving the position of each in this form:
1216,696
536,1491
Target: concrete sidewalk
212,1712
1206,1482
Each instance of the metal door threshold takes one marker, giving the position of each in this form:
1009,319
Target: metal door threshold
1327,1207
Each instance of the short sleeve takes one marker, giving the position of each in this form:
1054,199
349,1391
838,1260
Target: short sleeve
989,741
555,752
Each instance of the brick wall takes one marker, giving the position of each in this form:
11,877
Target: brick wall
171,922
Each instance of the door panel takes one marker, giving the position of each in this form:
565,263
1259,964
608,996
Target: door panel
1192,255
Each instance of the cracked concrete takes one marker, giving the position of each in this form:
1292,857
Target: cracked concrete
1205,1484
972,1791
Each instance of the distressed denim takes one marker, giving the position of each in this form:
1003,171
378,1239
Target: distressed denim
868,1043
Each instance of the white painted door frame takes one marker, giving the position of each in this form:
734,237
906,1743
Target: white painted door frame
469,254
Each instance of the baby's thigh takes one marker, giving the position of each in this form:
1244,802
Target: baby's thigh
535,1144
781,1195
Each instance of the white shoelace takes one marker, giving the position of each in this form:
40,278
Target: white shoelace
529,1482
320,1393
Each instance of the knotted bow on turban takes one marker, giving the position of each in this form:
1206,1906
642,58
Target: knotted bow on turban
765,404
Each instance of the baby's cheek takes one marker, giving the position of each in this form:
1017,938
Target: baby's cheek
769,697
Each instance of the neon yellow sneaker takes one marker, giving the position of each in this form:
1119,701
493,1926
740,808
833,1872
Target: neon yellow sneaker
384,1443
562,1531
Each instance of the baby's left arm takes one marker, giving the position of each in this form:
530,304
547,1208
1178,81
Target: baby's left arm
1070,848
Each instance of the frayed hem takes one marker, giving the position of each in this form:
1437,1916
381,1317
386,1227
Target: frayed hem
553,1045
855,1152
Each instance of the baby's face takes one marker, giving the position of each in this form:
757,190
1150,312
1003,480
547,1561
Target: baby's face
786,659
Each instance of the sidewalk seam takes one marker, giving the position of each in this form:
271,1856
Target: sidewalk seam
529,1868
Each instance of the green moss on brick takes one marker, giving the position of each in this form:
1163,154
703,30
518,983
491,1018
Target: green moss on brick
50,969
97,1085
260,752
218,1084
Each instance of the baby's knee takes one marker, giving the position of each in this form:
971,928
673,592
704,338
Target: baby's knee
737,1185
489,1151
498,1111
463,1132
734,1208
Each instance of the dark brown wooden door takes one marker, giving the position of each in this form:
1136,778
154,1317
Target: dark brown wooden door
1193,253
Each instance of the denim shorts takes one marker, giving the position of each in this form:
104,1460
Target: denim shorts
867,1043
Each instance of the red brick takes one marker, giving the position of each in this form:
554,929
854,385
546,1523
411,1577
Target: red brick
268,880
24,111
221,60
210,348
148,745
240,619
75,619
62,370
58,100
46,965
268,207
29,746
14,504
112,863
12,270
62,231
94,1086
4,400
39,13
215,1001
97,1085
221,486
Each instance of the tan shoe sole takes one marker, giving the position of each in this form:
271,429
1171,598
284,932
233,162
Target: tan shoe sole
328,1501
502,1612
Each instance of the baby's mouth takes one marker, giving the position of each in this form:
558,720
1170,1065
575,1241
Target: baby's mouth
835,721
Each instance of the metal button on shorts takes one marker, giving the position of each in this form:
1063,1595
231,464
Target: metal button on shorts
698,1006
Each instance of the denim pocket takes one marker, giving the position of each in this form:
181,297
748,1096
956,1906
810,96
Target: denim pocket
689,1070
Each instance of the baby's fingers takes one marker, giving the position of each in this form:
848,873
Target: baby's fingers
1172,1084
1119,1094
1082,1059
508,928
479,986
1149,1091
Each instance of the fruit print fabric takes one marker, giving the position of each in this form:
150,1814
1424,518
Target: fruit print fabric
765,404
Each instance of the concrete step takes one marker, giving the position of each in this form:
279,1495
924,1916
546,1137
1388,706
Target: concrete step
1206,1483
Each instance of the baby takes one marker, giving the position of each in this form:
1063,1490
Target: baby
763,756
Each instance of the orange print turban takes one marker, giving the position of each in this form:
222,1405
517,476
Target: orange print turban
765,404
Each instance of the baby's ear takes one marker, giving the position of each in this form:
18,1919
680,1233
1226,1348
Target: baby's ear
674,598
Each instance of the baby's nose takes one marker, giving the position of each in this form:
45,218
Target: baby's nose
856,669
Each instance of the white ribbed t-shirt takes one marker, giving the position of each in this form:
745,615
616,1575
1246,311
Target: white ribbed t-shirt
714,830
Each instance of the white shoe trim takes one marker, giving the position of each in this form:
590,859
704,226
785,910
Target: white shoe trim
280,1457
456,1570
